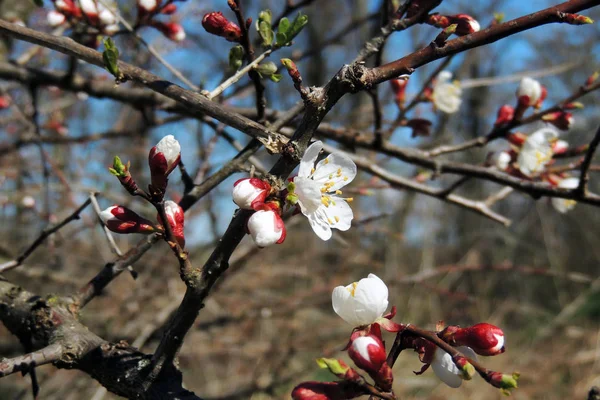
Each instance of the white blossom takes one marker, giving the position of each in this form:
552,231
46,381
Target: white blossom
54,18
446,370
317,190
564,205
531,88
266,228
500,160
536,151
446,94
361,303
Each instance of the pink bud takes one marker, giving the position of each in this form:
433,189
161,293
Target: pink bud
4,102
399,88
122,220
485,339
560,119
55,18
249,193
68,8
560,146
543,96
163,158
529,92
217,24
505,115
176,217
169,9
517,138
368,353
147,6
172,30
466,24
266,226
321,391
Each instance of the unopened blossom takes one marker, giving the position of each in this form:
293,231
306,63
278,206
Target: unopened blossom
505,115
446,370
68,8
560,146
322,391
266,226
483,338
536,151
564,205
316,190
28,202
55,18
446,95
4,102
398,86
560,119
172,30
361,303
500,159
249,193
529,92
465,24
217,24
147,6
176,218
122,220
368,353
162,159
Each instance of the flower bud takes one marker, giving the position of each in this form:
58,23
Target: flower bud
543,96
147,6
321,391
4,102
169,9
249,193
445,368
163,158
529,92
577,19
217,24
176,218
68,8
338,368
485,339
500,160
505,115
172,30
122,220
560,119
266,226
55,18
466,24
399,88
368,353
502,381
560,146
28,202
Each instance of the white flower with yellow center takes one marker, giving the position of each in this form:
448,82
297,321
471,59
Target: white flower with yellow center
564,205
316,190
446,94
361,303
537,151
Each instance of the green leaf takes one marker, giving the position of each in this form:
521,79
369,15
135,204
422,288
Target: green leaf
265,32
236,56
284,25
276,77
267,68
299,23
110,56
281,39
266,16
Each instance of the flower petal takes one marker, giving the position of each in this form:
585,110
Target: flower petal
342,302
444,368
309,195
319,225
339,214
308,159
337,168
371,296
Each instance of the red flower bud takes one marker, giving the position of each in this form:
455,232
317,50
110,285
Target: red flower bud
543,96
368,353
217,24
4,102
163,158
505,115
169,9
560,119
176,218
250,193
485,339
517,138
399,88
322,391
465,23
173,31
122,220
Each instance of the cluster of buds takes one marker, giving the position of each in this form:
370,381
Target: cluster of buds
465,24
148,10
162,159
88,12
217,24
315,192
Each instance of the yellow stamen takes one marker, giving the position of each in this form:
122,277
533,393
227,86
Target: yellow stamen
312,171
345,178
350,199
353,289
323,189
326,161
339,172
329,221
338,192
337,219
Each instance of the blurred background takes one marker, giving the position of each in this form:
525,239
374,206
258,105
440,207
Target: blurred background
271,315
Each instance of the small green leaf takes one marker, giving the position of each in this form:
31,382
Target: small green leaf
276,77
267,68
266,16
299,23
236,55
281,39
284,25
265,32
110,56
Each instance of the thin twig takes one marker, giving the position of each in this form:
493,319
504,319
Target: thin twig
237,76
587,162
